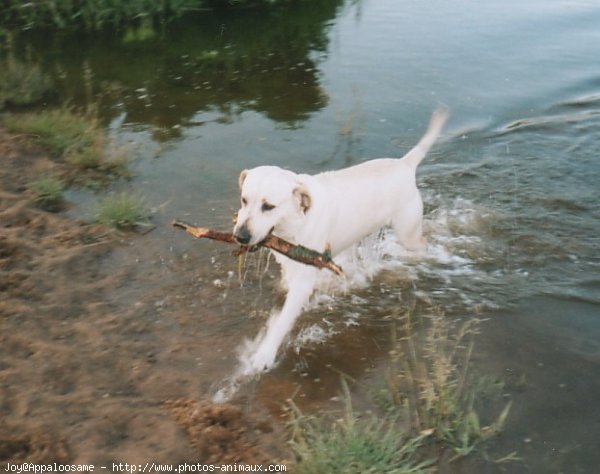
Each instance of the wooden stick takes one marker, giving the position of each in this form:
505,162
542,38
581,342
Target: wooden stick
295,252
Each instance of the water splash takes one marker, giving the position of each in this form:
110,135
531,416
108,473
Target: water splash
227,391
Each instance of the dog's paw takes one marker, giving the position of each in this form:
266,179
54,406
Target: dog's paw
258,362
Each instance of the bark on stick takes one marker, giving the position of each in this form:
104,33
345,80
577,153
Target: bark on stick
298,253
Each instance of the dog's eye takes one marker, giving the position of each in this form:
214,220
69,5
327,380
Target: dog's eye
244,201
267,207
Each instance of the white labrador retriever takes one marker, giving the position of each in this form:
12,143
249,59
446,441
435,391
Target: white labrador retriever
334,209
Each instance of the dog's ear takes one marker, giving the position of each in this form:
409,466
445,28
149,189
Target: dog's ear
303,197
242,178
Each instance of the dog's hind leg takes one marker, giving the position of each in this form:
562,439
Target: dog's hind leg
408,224
280,323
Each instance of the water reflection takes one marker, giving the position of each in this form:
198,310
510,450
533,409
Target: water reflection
254,60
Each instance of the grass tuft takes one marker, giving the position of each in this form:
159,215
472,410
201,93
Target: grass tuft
121,211
428,407
77,139
354,444
59,129
48,192
432,383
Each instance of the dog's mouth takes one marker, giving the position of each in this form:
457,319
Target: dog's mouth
256,246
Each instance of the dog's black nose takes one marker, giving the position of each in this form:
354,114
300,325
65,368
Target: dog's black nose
242,235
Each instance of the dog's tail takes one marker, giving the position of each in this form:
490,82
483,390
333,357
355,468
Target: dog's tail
418,152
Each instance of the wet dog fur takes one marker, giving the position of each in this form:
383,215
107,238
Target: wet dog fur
333,209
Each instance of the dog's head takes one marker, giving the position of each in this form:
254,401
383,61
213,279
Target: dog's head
272,200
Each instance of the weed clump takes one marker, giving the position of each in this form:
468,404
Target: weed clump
48,192
432,385
355,444
75,138
59,129
428,407
121,211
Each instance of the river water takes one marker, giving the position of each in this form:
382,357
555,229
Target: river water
510,190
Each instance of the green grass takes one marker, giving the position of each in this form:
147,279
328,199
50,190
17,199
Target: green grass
431,383
60,130
355,445
99,154
77,139
428,406
48,192
121,211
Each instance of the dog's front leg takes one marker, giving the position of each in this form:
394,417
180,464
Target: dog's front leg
301,282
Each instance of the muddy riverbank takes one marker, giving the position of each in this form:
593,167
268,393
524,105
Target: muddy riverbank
85,377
